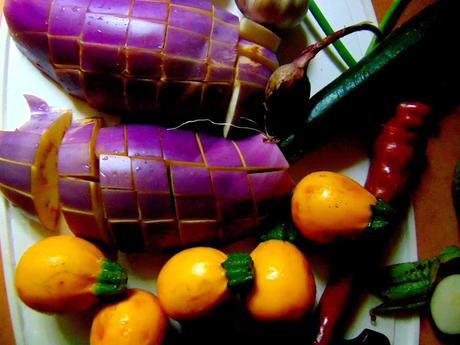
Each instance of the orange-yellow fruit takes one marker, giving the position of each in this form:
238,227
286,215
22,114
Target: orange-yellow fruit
66,274
192,282
284,286
138,319
327,206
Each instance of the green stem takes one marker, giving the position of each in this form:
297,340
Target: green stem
111,280
382,215
327,29
239,269
389,19
283,231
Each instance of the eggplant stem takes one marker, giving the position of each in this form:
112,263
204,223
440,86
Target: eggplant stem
309,53
327,29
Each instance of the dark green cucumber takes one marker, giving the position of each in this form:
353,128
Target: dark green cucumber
416,62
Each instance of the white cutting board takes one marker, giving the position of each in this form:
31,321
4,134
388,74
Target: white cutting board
18,77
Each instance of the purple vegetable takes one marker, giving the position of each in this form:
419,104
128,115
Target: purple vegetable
76,153
144,187
165,61
79,191
192,187
28,155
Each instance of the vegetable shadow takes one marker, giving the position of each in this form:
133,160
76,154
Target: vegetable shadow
334,154
231,324
76,328
144,266
293,42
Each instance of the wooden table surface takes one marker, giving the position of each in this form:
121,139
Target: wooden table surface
436,223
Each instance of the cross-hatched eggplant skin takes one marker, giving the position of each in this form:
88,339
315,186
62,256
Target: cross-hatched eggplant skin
165,61
79,191
147,188
168,188
28,157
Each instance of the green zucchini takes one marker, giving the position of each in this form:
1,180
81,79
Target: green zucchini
414,62
409,285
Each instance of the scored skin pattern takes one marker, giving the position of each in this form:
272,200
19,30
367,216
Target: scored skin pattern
156,60
143,187
156,196
79,191
18,154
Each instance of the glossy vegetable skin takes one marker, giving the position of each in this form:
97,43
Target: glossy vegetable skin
289,84
147,188
403,64
390,170
28,158
136,319
281,14
66,274
284,288
391,165
128,57
166,188
327,206
79,191
192,283
407,286
275,282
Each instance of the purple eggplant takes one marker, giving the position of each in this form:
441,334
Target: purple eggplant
160,61
79,190
144,187
174,187
28,156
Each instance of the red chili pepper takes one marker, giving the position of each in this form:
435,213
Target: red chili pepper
389,172
394,151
